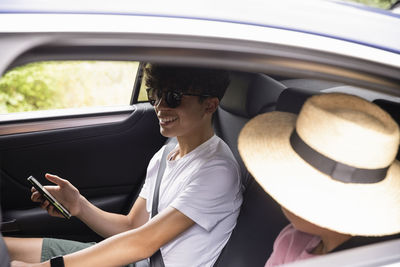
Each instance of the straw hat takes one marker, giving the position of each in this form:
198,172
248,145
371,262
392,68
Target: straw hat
333,164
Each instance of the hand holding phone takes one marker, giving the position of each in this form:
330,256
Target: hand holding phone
49,197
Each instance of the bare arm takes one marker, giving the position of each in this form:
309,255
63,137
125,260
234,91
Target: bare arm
108,224
104,223
135,244
130,246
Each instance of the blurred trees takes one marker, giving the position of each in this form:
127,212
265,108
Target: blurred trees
26,89
66,84
386,4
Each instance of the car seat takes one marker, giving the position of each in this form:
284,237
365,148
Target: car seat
393,108
260,219
292,99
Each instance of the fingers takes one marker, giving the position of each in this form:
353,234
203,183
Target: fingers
55,179
53,211
45,204
36,196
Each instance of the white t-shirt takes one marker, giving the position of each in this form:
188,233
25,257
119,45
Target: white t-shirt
205,186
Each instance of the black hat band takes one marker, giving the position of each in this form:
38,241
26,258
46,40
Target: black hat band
337,170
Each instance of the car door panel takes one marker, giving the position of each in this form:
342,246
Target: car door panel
106,162
35,222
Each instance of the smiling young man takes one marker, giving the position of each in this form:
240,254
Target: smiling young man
200,192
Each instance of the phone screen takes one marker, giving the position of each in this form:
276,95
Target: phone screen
49,197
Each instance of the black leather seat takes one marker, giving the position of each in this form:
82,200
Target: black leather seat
393,108
260,219
248,95
292,99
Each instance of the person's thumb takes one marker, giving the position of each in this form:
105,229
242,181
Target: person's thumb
55,179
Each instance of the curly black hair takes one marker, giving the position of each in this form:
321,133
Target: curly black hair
187,79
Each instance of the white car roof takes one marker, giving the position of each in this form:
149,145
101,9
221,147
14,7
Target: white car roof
334,19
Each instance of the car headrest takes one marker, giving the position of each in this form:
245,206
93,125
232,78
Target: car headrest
390,107
250,94
311,84
292,99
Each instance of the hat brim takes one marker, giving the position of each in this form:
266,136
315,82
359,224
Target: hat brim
356,209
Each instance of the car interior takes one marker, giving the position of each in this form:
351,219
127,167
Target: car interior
260,219
108,161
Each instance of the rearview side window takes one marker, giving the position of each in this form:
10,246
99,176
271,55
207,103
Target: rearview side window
67,84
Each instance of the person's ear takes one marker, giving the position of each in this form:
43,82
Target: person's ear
212,104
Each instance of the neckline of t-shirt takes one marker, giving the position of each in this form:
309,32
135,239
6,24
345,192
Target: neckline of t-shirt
189,155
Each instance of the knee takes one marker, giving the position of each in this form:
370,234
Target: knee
25,249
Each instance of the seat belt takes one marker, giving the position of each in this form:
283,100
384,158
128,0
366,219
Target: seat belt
156,259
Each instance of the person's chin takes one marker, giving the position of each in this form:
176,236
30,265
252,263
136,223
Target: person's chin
169,133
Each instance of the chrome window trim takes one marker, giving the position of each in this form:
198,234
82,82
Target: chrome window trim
128,24
34,121
63,113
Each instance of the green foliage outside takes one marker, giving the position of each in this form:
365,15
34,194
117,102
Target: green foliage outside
385,4
67,84
27,88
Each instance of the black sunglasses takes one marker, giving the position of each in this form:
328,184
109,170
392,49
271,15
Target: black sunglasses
172,98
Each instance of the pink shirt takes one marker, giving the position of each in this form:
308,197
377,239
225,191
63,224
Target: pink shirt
292,245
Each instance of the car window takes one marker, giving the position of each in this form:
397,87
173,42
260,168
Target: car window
54,85
142,97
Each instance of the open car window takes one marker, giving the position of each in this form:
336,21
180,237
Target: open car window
56,85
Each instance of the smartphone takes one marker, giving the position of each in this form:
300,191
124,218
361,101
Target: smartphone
49,197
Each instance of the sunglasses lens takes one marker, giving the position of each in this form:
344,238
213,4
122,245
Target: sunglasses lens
173,99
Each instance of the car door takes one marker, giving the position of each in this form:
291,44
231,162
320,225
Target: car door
103,153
